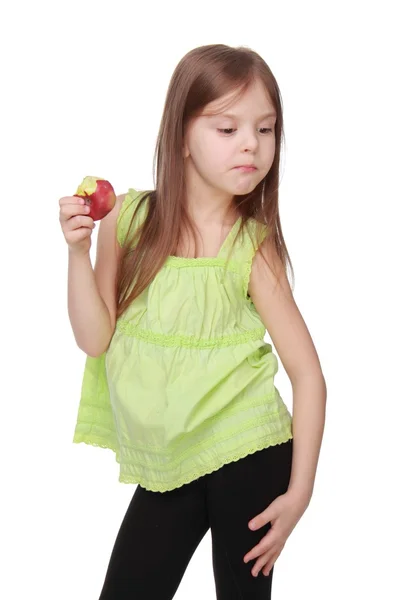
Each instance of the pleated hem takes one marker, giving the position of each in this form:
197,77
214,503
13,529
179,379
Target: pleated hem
130,473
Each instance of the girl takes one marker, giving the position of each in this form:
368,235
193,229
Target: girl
178,379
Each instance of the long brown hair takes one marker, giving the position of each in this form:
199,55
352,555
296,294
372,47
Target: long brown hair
202,76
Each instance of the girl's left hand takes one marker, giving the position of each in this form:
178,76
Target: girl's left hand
284,513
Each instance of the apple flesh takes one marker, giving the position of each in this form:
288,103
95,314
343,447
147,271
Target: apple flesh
99,194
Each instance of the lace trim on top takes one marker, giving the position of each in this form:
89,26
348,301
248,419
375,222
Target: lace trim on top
251,251
161,339
178,262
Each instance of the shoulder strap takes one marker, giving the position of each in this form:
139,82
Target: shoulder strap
129,219
241,249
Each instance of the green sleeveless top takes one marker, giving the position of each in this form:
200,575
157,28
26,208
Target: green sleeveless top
187,382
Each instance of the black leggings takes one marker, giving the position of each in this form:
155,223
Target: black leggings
161,530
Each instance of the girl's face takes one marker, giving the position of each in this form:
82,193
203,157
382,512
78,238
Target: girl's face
216,145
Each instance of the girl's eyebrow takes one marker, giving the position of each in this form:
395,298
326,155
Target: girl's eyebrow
232,116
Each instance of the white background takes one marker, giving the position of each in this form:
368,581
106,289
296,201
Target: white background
83,87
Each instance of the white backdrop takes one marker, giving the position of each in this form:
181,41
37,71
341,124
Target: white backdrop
83,89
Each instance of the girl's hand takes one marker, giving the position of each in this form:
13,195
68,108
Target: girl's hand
77,227
284,513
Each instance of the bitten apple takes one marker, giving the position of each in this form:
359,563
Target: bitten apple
99,194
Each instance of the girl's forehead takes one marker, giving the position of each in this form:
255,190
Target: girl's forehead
235,102
218,106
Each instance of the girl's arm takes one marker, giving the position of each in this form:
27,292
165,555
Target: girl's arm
91,292
289,334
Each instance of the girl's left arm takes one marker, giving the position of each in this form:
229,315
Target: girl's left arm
273,300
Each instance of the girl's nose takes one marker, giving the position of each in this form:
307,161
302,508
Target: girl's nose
250,141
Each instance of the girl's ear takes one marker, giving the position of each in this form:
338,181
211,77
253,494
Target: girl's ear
185,148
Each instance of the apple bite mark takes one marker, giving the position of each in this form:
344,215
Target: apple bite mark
99,194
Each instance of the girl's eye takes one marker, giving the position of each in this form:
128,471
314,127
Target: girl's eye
230,130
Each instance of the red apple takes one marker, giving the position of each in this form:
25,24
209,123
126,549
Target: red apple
99,194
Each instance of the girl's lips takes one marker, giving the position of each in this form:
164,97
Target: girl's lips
246,169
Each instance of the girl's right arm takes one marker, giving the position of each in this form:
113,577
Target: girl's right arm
91,292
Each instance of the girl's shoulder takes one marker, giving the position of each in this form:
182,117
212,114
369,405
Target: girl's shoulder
253,234
131,208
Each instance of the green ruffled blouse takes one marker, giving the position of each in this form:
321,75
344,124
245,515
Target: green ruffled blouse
187,382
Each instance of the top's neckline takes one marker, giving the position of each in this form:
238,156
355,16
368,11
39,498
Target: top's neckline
230,234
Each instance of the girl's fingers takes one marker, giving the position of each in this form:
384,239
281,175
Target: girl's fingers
77,235
70,210
263,562
80,221
269,564
70,200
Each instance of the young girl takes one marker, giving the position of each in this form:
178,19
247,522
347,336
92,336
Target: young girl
178,379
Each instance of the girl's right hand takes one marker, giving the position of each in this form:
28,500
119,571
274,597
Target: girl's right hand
77,227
